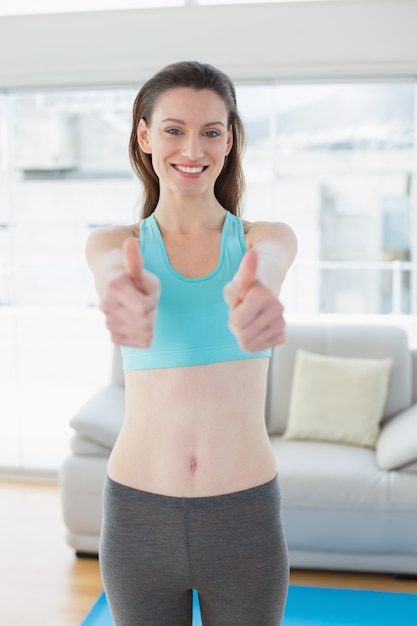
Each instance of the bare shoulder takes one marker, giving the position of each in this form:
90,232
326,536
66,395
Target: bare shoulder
266,231
110,237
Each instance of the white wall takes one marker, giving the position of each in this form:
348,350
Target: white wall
288,41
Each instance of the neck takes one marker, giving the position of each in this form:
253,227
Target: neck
189,213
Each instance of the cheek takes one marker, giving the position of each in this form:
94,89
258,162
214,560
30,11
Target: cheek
221,158
157,157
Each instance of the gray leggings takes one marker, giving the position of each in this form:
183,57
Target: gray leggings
155,549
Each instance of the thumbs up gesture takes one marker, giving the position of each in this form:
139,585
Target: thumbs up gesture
235,291
256,315
130,301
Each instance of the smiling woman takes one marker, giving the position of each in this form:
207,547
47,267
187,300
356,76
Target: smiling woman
192,299
228,131
193,148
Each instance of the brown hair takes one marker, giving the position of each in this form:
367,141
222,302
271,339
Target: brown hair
229,186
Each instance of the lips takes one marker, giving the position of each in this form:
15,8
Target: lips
190,169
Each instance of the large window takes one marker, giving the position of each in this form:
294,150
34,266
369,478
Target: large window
65,172
336,161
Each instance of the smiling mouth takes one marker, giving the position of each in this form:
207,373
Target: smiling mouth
190,169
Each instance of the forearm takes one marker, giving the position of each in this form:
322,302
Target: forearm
104,256
105,269
273,264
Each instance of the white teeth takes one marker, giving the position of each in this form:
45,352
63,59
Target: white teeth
189,170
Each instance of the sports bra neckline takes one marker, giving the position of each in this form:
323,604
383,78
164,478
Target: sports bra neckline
157,231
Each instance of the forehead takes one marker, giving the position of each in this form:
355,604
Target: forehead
191,106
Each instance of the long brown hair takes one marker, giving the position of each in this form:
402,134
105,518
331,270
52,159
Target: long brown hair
229,186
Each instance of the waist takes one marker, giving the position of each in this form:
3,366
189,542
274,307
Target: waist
194,473
194,431
148,498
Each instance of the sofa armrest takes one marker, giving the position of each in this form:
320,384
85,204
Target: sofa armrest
397,443
100,418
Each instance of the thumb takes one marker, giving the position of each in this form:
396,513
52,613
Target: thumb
133,261
235,291
247,272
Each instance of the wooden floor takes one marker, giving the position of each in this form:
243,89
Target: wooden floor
44,584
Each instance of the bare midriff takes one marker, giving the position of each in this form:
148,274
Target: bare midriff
195,431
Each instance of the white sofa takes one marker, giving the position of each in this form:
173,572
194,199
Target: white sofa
345,507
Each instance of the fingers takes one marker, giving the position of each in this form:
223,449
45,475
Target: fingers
129,313
130,301
137,335
255,313
258,322
122,295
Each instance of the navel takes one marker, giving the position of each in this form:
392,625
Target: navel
193,464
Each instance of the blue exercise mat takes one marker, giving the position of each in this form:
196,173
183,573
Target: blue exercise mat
317,606
100,614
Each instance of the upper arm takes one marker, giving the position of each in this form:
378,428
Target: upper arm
104,241
277,233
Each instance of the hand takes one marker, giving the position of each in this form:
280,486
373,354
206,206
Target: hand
256,315
130,301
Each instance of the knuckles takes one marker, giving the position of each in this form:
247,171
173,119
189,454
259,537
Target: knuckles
130,313
258,322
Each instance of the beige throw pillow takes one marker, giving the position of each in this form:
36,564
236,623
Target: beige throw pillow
337,399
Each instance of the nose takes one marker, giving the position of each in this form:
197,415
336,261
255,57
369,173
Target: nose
191,147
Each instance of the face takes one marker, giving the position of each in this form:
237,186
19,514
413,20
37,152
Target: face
188,138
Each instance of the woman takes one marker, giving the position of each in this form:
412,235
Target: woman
191,500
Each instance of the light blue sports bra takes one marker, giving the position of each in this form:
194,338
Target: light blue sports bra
191,323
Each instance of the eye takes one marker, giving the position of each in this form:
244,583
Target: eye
212,133
173,131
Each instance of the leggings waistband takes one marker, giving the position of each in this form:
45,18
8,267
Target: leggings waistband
236,498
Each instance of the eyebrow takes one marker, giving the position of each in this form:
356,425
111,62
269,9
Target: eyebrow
173,119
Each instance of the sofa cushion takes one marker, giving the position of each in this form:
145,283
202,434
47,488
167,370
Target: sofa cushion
374,340
337,399
336,499
338,476
397,445
81,446
100,418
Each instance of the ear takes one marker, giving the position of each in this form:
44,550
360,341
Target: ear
229,144
143,137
